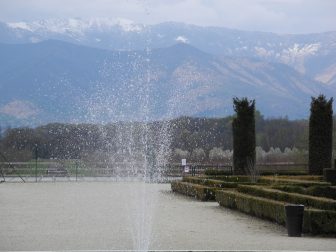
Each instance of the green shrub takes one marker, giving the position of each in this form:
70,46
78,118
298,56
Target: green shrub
302,177
298,182
325,191
294,198
319,221
314,221
235,179
228,181
196,180
210,182
214,172
284,172
260,207
200,192
318,191
221,184
290,180
290,188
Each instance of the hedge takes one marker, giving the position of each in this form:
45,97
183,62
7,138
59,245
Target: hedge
283,172
200,192
291,180
260,207
318,191
302,177
320,221
277,180
315,221
210,182
295,198
214,172
236,179
233,181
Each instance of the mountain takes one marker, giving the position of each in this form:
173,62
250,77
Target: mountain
59,81
310,54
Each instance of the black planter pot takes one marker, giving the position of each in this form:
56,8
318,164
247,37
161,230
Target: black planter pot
294,219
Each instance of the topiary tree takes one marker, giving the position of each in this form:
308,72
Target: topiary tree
244,138
320,134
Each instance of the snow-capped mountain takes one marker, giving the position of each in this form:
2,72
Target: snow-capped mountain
76,26
86,70
58,81
310,54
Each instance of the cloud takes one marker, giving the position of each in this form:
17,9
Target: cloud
19,109
283,16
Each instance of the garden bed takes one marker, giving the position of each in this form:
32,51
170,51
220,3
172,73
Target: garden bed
210,182
200,192
315,221
266,198
294,198
318,191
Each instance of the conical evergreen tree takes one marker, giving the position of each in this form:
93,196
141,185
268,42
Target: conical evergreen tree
320,134
244,138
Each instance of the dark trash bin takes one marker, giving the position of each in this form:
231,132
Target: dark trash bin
294,219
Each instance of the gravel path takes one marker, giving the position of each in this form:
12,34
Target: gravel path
109,215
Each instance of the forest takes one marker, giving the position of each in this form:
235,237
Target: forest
199,139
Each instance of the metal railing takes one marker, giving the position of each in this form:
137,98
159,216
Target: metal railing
43,170
282,167
197,169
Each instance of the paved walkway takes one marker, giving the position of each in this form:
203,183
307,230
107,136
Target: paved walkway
111,216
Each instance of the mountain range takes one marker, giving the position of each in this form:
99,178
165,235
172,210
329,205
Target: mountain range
103,70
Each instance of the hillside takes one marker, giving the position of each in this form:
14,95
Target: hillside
60,81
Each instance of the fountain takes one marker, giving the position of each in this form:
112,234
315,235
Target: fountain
140,144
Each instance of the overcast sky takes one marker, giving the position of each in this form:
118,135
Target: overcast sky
281,16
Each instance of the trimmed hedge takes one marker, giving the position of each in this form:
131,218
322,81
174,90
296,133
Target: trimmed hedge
236,179
260,207
315,221
294,198
200,192
210,182
277,180
320,221
268,180
283,172
318,191
214,172
302,177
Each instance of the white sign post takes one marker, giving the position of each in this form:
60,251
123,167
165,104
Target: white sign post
184,164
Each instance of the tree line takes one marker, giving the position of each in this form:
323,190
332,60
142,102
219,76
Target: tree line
80,141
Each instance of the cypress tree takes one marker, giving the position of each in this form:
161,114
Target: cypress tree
320,134
244,138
